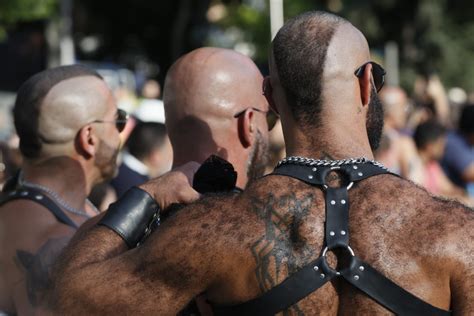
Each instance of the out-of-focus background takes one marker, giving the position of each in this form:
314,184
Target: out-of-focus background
426,47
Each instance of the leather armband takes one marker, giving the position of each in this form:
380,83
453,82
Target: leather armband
132,216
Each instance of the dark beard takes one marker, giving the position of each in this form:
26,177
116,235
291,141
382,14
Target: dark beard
258,159
106,161
374,123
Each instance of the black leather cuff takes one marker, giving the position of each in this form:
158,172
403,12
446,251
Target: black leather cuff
132,216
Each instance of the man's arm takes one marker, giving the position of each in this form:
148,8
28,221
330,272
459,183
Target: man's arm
155,278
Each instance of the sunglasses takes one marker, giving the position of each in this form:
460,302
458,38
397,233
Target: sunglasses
120,122
378,74
271,116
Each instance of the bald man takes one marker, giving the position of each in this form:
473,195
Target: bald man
68,126
273,249
214,105
400,156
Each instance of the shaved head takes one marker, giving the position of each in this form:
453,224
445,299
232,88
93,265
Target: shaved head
53,105
205,89
208,83
71,104
299,53
347,51
203,92
313,61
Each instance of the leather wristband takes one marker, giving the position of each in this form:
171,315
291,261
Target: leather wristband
132,216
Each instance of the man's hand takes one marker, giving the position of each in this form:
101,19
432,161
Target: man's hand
174,186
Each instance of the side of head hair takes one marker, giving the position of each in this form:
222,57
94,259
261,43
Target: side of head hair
428,132
299,51
146,137
466,120
29,99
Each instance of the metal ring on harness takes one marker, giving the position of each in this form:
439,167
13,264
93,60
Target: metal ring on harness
326,249
347,247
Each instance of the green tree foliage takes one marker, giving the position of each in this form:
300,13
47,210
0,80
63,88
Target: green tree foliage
15,11
434,36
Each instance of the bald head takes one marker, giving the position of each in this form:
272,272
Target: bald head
204,90
211,83
52,105
347,51
315,55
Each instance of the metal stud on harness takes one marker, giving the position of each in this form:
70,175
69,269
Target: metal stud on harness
317,273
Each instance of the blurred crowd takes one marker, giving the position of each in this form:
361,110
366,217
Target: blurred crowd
428,138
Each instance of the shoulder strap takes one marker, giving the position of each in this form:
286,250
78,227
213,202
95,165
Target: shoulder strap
289,292
388,294
38,197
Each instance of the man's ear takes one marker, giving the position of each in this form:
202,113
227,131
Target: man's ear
365,84
86,141
246,128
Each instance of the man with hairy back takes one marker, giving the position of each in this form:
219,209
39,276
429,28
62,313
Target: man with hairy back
273,248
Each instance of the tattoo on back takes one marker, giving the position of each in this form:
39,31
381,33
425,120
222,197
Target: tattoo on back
37,268
282,250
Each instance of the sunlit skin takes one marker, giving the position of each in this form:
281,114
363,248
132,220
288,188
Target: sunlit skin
77,156
219,245
203,90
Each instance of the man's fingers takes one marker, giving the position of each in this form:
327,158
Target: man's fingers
188,195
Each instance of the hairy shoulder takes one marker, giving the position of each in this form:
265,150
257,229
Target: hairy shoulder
430,217
208,217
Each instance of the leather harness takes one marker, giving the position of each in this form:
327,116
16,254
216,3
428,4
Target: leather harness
40,198
317,273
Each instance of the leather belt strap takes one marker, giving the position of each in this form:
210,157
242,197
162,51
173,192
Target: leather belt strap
337,218
38,197
289,292
387,293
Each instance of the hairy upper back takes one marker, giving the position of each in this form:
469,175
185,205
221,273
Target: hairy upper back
277,226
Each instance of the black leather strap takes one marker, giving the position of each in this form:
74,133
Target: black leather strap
337,218
386,292
132,216
37,197
360,274
289,292
316,175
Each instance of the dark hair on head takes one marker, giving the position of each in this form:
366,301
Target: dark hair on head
29,99
146,137
428,132
299,51
466,120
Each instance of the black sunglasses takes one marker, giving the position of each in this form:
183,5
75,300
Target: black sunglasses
120,122
271,116
378,73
